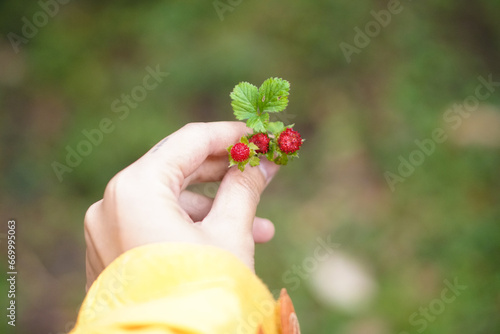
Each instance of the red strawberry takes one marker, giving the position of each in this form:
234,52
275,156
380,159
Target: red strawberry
240,152
289,141
262,141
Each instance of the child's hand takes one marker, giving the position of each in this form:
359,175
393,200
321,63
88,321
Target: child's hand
147,201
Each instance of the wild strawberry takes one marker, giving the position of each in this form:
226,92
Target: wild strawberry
262,141
289,141
240,152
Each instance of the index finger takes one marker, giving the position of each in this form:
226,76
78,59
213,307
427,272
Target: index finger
187,148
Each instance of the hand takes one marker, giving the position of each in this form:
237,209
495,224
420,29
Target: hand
147,202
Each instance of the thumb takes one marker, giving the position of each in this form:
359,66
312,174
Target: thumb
235,203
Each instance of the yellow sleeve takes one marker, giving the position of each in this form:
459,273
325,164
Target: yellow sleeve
180,288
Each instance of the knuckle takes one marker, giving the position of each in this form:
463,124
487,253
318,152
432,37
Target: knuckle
91,216
195,130
118,185
193,126
250,184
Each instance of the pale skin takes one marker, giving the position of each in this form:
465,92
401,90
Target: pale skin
147,202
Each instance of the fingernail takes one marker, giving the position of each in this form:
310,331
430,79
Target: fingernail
268,168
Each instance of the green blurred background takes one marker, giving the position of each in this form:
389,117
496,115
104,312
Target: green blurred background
397,247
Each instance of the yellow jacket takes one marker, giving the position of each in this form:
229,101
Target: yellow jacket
182,288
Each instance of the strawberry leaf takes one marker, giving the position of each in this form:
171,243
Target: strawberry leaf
254,161
273,95
245,98
282,159
272,150
252,146
276,127
258,122
270,155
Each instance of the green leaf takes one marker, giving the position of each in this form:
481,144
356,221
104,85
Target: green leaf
258,122
272,150
276,127
245,98
282,159
273,95
270,155
254,161
252,146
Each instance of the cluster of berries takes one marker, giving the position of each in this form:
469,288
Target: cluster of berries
277,148
272,139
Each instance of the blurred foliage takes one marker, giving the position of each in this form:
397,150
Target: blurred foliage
359,117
